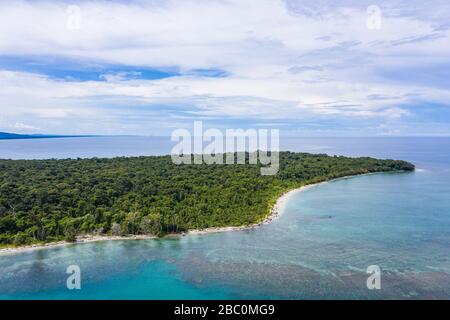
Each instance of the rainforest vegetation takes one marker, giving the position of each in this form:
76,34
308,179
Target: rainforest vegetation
51,200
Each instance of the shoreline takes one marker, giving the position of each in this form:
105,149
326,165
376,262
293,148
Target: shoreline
275,213
80,239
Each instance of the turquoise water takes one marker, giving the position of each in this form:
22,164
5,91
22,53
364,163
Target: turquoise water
319,248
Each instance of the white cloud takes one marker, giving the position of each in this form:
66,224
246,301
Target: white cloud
24,127
283,63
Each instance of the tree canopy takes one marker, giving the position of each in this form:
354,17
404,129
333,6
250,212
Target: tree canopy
50,200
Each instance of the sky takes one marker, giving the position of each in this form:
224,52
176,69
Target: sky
307,68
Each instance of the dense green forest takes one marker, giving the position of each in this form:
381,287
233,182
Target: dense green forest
49,200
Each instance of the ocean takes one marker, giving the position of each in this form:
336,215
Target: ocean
320,247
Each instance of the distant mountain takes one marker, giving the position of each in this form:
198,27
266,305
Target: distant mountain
9,136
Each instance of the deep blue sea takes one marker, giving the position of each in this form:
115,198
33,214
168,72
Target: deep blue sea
319,248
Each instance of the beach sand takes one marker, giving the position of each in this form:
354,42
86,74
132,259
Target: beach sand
80,239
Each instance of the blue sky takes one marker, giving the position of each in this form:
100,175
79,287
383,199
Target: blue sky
308,68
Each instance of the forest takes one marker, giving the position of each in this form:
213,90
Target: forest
54,200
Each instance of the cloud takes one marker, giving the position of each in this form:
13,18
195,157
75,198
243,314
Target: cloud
24,127
120,76
258,61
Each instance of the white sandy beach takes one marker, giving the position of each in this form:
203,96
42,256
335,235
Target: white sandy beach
80,239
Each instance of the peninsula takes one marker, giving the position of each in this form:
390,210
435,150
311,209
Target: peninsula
46,201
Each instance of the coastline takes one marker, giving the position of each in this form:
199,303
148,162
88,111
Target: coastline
277,209
80,239
275,213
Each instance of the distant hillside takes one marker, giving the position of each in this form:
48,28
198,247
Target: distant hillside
9,136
